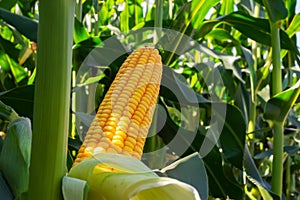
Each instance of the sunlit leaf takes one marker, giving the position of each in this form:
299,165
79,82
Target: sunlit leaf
18,71
294,26
199,9
124,19
226,7
9,48
190,17
257,29
278,107
80,32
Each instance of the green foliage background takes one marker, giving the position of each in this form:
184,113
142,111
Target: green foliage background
233,37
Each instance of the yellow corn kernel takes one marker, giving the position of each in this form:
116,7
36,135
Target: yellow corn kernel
118,143
124,116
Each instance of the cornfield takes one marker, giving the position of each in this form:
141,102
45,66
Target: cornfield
149,99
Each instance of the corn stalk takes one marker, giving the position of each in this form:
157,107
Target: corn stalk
52,99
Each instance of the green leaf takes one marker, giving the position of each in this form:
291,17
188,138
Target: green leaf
255,28
264,192
219,183
107,10
3,62
74,189
9,48
228,60
20,99
5,192
124,18
177,138
191,16
24,25
291,150
199,9
278,107
185,170
233,136
80,33
93,79
254,176
294,26
27,6
174,89
8,4
18,71
227,7
276,10
15,156
242,100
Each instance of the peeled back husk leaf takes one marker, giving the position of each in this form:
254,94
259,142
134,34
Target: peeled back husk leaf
119,177
15,156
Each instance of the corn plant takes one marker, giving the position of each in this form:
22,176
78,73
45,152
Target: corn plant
226,122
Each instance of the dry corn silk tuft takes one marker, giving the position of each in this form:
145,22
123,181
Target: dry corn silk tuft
125,114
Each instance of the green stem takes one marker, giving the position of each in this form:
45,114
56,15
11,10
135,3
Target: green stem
52,99
277,170
288,177
276,74
158,20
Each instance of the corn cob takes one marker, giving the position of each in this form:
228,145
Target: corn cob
124,116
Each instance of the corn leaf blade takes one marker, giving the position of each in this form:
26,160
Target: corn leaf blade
276,9
294,26
20,99
278,107
194,165
5,192
24,25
